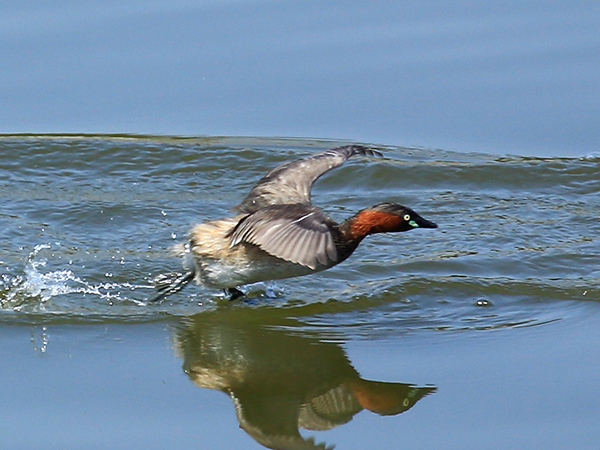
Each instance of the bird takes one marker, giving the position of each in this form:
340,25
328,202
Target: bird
278,233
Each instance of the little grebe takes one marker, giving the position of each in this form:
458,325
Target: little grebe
278,233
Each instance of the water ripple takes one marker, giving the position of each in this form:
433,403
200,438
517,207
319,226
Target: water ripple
87,222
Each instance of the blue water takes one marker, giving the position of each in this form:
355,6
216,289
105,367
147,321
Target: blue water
496,76
487,117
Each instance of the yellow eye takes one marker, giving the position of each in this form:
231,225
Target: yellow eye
407,217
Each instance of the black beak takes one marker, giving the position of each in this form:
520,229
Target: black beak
424,223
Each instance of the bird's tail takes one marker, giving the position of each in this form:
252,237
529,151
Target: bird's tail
169,283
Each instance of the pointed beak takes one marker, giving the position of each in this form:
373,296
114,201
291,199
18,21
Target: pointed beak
422,223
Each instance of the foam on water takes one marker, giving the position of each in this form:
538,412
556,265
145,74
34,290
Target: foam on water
32,291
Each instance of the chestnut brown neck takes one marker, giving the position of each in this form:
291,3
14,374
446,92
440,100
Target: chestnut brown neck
368,222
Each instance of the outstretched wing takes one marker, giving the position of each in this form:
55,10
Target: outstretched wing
291,182
297,233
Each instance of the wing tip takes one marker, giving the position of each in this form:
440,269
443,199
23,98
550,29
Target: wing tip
357,149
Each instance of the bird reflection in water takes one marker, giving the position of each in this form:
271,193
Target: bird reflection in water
280,381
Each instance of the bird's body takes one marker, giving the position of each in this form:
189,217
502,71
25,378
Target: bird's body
278,233
217,264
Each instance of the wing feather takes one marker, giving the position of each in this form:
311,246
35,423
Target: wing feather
298,233
291,182
330,247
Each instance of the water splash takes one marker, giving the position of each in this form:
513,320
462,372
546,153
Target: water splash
47,285
36,288
40,339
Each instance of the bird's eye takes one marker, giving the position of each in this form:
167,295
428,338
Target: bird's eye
406,217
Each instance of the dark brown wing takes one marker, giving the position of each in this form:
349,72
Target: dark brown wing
298,233
291,182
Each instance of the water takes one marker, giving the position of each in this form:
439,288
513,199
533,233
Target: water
517,77
505,290
479,334
90,222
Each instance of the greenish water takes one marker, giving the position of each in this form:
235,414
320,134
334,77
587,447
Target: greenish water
500,302
87,222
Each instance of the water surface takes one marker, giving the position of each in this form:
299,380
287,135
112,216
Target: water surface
499,302
89,221
518,77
